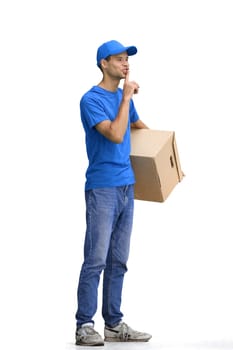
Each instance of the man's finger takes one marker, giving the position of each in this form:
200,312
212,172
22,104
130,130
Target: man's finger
127,76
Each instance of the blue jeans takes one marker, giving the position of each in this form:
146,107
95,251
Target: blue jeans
109,219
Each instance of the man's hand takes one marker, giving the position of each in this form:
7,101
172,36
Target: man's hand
129,87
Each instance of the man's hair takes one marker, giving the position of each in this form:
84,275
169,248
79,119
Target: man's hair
107,59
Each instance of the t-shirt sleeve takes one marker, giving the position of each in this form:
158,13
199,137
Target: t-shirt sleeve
92,112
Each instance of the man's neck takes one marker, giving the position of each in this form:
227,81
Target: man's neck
110,85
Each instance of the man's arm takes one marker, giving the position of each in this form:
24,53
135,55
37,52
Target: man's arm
139,125
115,130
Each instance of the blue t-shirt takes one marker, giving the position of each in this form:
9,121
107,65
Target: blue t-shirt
109,163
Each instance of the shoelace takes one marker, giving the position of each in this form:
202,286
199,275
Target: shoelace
124,331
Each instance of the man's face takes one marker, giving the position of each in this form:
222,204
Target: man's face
117,66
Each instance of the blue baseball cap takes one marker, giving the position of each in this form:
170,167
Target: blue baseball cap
113,47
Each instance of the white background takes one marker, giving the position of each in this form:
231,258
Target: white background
179,283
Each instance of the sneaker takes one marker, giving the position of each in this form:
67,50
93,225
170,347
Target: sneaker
86,335
123,333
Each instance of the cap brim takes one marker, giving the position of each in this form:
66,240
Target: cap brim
131,50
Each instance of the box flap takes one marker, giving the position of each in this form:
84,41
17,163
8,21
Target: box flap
148,142
177,159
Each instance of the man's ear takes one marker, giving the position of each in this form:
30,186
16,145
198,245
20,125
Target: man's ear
103,63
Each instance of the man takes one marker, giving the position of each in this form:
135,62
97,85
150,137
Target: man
107,114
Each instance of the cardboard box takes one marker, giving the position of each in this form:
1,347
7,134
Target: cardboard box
155,160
